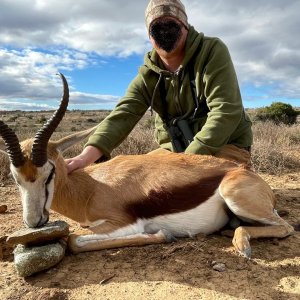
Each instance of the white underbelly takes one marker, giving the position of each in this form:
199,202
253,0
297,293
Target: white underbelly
206,218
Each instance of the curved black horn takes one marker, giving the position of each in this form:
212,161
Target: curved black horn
12,144
39,147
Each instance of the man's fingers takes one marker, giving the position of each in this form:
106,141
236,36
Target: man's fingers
71,165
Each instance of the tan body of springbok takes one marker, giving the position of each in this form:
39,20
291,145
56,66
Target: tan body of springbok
138,199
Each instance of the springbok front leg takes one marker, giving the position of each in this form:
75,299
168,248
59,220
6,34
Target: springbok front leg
252,200
92,242
108,235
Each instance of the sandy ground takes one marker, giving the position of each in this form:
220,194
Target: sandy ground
181,270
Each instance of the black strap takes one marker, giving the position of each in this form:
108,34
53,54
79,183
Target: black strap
164,113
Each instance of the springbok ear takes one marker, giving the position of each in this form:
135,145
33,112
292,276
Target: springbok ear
72,139
2,147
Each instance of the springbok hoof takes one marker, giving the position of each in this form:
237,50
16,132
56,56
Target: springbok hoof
241,242
242,247
73,244
246,253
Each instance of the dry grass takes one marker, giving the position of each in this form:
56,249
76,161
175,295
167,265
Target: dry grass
273,152
4,169
275,147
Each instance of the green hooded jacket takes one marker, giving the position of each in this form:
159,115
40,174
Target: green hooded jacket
220,119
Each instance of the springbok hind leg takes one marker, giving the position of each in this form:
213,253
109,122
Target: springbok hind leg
251,199
93,242
243,234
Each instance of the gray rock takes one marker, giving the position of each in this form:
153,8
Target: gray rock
41,235
30,260
220,267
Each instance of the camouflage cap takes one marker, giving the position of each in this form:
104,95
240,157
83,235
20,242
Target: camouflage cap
160,8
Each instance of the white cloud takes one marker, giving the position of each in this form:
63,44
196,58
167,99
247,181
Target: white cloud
78,98
29,106
105,27
40,37
261,36
29,73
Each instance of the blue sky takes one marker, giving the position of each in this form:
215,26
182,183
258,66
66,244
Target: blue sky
99,45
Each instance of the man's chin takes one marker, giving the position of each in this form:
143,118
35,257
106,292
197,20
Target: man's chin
166,53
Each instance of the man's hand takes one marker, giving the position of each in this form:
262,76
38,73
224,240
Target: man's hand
88,156
77,162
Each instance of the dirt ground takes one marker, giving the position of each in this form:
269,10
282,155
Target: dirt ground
181,270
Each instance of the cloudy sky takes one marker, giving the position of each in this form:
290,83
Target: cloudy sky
99,45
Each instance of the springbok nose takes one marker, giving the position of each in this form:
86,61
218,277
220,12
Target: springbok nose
31,224
34,224
26,224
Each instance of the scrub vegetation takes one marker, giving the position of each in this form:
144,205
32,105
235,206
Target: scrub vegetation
272,153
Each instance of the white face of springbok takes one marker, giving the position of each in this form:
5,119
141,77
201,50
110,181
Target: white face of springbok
30,166
36,186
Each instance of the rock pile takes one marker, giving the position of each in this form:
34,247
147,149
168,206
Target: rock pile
38,249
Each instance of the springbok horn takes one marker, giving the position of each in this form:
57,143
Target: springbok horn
12,144
40,142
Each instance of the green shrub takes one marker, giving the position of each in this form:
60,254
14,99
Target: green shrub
42,119
277,112
90,120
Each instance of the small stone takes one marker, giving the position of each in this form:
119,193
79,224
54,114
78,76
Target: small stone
3,209
220,267
30,260
297,227
41,235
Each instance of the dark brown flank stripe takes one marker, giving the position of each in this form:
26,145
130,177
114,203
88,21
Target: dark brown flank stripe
177,199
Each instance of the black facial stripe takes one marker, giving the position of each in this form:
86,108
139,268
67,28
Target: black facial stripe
50,176
47,183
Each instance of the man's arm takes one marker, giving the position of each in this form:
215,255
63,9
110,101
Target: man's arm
114,128
223,100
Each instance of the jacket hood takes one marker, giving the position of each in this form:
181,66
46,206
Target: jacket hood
194,38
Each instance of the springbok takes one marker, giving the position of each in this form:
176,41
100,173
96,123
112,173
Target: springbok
138,199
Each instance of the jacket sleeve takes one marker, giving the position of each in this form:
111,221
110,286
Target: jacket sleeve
224,101
119,123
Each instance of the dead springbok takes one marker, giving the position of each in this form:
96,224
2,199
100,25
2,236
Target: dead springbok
138,199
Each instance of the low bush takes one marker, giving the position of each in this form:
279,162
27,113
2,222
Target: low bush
277,112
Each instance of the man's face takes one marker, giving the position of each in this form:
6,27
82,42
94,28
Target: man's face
166,32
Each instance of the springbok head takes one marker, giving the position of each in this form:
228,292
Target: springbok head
30,166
